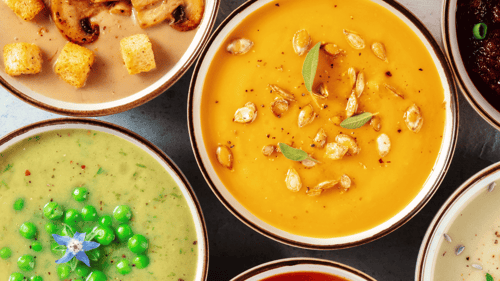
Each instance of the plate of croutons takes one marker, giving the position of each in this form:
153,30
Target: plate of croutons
99,57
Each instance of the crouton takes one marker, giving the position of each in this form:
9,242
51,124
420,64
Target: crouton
137,53
22,58
74,63
26,9
123,8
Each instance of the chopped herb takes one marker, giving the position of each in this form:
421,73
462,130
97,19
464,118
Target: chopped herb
122,153
176,195
489,277
9,166
140,165
100,171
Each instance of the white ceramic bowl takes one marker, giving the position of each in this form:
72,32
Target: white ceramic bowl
107,108
235,207
302,265
446,215
471,93
96,125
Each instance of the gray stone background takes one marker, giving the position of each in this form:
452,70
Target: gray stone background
234,247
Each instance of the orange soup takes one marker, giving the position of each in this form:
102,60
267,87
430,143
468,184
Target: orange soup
304,276
255,97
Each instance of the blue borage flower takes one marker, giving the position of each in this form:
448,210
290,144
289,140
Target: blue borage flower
75,247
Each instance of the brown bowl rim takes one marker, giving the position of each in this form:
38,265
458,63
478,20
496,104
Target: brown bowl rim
424,248
121,108
297,261
445,27
449,154
157,151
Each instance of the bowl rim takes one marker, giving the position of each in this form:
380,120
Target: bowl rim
424,252
153,150
211,16
467,87
299,261
449,153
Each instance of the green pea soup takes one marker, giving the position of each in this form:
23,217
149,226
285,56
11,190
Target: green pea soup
48,167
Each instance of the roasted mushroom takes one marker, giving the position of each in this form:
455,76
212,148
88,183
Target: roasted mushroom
183,15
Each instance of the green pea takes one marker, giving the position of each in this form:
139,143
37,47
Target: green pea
122,213
53,211
57,249
5,253
95,254
67,231
141,261
16,276
26,263
80,194
138,244
89,213
124,232
28,230
36,246
63,271
19,204
72,217
36,278
97,275
50,228
105,221
123,267
82,270
105,235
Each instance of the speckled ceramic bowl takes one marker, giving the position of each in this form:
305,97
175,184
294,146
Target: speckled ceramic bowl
235,207
180,180
302,265
107,108
471,93
446,215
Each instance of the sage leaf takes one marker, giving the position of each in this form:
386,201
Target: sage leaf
294,154
310,66
489,277
357,121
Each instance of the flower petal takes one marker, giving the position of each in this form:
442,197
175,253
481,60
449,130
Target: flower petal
61,240
81,256
89,245
79,236
66,258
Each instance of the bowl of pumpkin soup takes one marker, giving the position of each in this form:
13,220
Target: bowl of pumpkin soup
87,200
299,269
97,58
462,240
325,132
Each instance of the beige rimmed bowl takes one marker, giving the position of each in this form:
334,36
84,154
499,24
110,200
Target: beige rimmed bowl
108,108
143,144
445,217
471,93
302,265
235,207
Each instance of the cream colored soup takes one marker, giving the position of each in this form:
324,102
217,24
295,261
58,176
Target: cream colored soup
109,79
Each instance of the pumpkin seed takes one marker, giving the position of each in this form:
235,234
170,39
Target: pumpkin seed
268,150
239,46
279,106
326,184
351,72
354,39
352,105
282,93
314,192
459,249
322,91
320,138
246,114
491,186
360,84
335,151
293,182
413,118
379,50
301,42
383,145
345,181
393,90
224,156
349,142
447,237
308,163
306,115
477,266
375,123
333,50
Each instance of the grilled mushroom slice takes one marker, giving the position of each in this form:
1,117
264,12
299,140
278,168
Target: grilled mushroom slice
183,15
